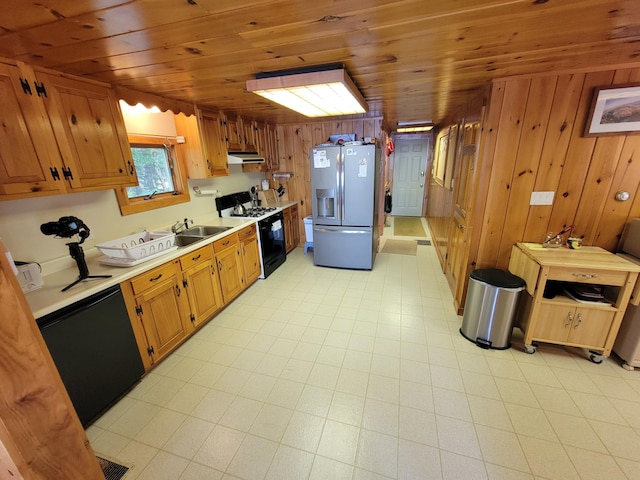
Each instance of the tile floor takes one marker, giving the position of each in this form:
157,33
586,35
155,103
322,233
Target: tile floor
320,373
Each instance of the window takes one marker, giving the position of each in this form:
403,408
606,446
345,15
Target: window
154,166
161,180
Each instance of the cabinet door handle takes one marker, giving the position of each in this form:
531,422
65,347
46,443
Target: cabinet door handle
130,167
579,321
213,272
155,278
220,266
569,320
178,289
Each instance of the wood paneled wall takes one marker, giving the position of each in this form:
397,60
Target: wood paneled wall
532,141
294,144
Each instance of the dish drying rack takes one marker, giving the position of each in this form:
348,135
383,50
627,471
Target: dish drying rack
137,248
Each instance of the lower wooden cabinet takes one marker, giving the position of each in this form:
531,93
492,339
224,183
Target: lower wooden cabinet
160,311
291,227
250,254
168,303
201,282
571,325
229,261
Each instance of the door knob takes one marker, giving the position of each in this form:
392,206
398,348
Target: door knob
422,173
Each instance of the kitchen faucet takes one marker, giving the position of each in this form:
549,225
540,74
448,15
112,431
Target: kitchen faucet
181,225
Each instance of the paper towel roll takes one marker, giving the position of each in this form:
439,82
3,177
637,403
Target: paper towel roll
200,191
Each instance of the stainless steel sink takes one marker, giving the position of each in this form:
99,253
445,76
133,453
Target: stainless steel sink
184,240
204,230
197,233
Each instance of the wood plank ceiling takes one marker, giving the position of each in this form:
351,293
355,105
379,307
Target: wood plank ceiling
412,59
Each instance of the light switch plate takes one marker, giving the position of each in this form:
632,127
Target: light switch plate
541,198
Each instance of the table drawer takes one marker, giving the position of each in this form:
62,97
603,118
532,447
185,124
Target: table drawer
151,278
587,275
197,256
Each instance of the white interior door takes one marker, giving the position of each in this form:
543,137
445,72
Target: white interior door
409,169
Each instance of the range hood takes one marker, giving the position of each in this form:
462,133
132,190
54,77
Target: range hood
241,158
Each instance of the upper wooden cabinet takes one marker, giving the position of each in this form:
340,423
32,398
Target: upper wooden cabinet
60,134
233,132
204,151
249,134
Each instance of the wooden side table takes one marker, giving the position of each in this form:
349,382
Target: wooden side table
563,320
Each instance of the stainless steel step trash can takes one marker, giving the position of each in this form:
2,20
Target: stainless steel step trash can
489,310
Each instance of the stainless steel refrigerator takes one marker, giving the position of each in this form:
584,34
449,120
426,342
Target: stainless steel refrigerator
344,191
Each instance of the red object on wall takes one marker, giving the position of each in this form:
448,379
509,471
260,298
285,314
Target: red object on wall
390,147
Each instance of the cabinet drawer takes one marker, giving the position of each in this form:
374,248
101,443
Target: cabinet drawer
224,243
586,275
247,232
197,256
152,277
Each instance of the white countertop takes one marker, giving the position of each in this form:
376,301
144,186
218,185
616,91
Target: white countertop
49,298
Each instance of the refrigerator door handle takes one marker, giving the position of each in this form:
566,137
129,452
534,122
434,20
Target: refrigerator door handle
341,230
341,186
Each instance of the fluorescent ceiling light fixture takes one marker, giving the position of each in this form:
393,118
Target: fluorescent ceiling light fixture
313,94
421,128
138,108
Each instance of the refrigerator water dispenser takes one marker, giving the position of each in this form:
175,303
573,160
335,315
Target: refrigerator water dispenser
325,201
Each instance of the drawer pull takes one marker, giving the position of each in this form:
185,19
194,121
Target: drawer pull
196,257
584,275
155,278
226,243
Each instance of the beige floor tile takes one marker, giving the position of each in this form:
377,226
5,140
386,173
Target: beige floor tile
548,459
315,400
160,428
629,410
385,389
416,460
137,455
324,468
297,370
413,371
480,384
195,471
325,376
285,393
134,419
385,365
248,360
496,472
241,414
501,448
451,404
443,357
597,407
576,432
213,406
515,391
218,449
187,398
378,453
447,378
164,466
380,417
110,443
621,441
189,437
232,380
531,422
339,442
258,387
290,464
418,426
489,412
336,339
629,467
594,466
253,458
226,355
272,365
416,395
208,375
346,408
271,422
457,466
303,432
457,436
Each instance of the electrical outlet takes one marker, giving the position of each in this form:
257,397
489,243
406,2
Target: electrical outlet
541,198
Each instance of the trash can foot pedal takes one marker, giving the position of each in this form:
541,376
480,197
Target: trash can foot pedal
482,343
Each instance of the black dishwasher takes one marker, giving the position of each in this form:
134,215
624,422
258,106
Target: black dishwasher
93,347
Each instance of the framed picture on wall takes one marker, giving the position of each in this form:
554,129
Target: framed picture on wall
440,162
614,111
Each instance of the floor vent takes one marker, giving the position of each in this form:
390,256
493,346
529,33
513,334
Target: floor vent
111,469
424,242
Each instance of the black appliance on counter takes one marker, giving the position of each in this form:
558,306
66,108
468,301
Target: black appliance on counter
94,349
271,236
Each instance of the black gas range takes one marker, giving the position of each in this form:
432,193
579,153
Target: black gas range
270,228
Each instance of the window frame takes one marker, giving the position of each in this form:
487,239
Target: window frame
129,206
